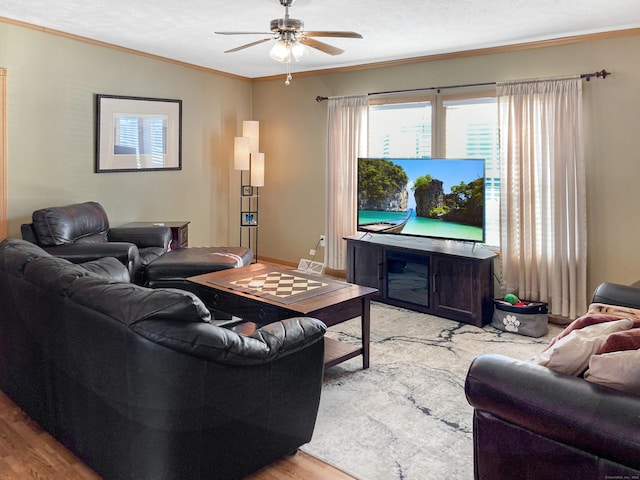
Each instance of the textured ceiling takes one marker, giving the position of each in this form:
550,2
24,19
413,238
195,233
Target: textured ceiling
184,29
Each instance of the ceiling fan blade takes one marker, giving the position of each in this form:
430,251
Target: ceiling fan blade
323,47
248,45
243,33
333,34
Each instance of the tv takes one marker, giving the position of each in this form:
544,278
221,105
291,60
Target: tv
423,197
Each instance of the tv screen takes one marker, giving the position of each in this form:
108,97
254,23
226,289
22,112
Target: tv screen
429,197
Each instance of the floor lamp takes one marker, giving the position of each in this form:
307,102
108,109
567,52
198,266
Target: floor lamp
248,159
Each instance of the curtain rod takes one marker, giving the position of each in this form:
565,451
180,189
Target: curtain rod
588,76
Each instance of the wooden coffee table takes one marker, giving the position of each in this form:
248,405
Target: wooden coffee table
319,297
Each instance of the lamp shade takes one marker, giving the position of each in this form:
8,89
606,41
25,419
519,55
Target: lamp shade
251,130
257,169
283,50
241,153
298,51
280,51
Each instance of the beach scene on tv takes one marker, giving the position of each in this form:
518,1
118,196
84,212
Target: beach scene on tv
441,198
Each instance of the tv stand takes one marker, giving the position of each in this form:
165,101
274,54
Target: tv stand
447,278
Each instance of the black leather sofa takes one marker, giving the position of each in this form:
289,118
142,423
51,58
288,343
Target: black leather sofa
530,422
81,232
138,384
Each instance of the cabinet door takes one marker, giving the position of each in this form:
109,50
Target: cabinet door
364,265
455,289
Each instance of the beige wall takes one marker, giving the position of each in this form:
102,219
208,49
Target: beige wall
293,138
52,82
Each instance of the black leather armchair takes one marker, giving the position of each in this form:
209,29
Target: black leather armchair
81,232
531,422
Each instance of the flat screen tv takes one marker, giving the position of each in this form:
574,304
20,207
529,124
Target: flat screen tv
427,197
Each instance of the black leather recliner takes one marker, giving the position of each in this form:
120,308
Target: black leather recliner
81,232
531,422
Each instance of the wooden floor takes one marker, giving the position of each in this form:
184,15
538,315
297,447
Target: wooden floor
28,452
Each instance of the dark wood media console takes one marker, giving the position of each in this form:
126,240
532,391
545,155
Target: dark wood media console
447,278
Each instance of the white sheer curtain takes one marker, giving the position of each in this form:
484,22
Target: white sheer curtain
543,192
347,139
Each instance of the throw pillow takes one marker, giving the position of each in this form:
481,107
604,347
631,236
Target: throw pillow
618,341
571,353
618,370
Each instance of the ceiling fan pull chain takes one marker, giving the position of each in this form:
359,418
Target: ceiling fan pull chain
287,82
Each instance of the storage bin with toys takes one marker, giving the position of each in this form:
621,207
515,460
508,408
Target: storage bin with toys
520,316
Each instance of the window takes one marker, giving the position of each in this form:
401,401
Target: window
468,128
471,131
400,130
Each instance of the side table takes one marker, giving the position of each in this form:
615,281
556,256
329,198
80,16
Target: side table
179,231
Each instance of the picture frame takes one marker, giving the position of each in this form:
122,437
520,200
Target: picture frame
137,134
249,219
247,191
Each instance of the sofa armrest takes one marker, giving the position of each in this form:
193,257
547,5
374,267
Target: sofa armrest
204,340
126,253
563,408
28,233
617,294
153,236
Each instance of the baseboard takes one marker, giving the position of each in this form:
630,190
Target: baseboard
277,262
329,272
559,320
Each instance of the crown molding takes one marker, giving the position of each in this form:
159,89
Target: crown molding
518,47
132,51
366,66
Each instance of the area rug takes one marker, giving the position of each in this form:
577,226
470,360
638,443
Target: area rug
406,417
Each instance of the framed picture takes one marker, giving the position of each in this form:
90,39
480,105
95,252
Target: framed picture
247,191
249,219
135,134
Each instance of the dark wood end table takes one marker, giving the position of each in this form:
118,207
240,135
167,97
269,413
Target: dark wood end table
179,231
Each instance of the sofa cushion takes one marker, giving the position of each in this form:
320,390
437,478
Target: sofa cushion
109,268
15,254
129,303
71,223
57,274
572,352
92,238
53,273
618,370
618,341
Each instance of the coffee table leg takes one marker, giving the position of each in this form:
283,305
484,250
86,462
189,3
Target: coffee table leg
366,330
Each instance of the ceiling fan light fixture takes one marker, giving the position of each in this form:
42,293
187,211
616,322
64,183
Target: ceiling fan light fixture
297,50
281,51
292,40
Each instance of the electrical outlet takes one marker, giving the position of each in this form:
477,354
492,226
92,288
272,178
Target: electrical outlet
322,240
312,252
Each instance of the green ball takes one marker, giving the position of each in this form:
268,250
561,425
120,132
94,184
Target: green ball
511,298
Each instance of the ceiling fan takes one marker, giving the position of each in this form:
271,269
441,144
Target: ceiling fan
291,38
